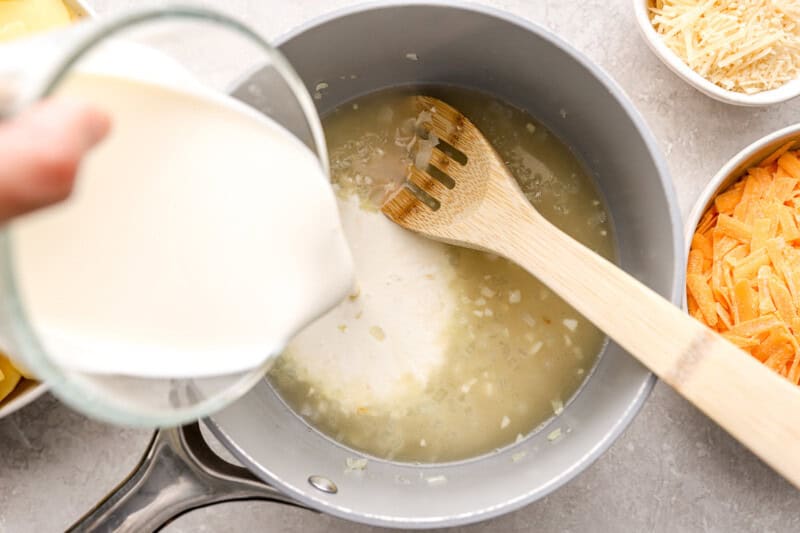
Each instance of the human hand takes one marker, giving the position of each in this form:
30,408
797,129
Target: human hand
40,152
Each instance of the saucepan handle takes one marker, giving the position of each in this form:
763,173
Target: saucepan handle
177,474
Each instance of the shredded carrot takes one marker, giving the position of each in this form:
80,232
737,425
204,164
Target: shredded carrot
776,345
757,326
783,188
743,272
765,304
741,342
735,256
691,303
727,201
703,244
788,224
783,302
746,303
761,232
695,262
790,164
777,153
748,267
700,290
708,221
734,228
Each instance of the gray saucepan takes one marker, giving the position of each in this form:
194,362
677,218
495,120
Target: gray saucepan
372,47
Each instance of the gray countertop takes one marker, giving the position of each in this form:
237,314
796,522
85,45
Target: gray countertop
672,470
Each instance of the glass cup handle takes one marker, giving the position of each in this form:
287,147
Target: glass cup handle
177,474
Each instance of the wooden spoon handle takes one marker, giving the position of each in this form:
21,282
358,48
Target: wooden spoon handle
753,403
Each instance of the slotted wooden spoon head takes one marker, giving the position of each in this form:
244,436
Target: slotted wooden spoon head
480,185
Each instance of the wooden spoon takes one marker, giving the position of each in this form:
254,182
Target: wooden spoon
486,210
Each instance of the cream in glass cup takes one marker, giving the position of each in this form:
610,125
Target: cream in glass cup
198,54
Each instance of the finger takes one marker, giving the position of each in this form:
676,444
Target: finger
41,150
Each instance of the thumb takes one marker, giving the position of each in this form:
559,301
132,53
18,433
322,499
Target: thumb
41,150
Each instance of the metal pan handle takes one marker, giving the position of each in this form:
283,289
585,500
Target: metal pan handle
177,474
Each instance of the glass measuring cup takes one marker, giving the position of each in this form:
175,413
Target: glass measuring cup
174,46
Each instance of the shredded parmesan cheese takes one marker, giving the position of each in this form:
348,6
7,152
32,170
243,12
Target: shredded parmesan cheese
745,46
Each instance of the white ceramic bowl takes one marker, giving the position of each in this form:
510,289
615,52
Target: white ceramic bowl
27,391
676,64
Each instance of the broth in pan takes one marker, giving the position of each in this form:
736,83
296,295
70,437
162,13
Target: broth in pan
442,353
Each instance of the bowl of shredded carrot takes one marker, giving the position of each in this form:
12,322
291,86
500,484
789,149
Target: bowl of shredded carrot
743,237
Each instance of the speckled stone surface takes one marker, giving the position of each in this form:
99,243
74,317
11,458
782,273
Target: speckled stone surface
672,471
